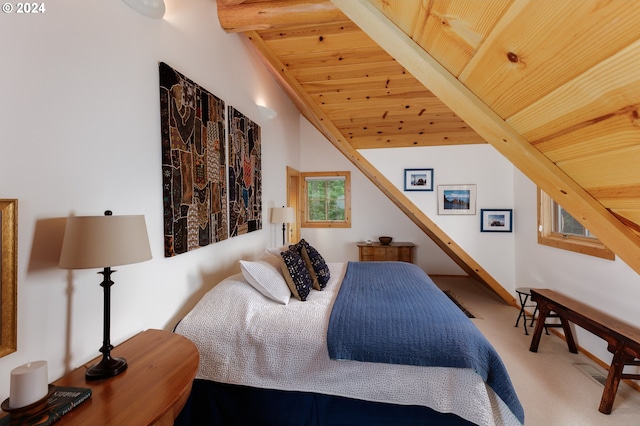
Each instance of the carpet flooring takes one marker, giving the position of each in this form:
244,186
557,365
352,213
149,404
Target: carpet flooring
555,386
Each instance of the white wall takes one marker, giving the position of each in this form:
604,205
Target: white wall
79,112
372,214
481,165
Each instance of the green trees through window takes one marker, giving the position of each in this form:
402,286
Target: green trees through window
327,199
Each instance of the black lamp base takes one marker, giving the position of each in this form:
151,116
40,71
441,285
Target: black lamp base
107,367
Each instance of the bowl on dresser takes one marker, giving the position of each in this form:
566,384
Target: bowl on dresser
385,241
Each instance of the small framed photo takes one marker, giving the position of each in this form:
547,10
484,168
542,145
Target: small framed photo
418,179
496,220
456,199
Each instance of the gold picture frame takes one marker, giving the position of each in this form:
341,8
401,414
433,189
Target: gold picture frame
8,275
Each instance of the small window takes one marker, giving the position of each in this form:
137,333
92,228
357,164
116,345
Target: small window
557,228
327,200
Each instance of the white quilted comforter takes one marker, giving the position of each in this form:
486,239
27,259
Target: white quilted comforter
246,339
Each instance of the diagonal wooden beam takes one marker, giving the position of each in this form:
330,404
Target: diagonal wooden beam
239,16
318,118
595,217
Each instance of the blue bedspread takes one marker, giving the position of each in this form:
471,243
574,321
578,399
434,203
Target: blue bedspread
392,312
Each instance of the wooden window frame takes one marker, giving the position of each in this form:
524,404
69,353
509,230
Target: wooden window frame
346,223
574,243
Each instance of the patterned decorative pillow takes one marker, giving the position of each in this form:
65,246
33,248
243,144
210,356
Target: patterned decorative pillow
316,261
299,246
296,274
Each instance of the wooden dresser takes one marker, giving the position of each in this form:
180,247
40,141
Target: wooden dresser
402,252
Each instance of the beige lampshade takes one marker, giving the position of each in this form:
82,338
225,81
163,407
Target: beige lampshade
282,215
104,241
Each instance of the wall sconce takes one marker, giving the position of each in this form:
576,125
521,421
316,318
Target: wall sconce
103,242
283,215
267,112
151,8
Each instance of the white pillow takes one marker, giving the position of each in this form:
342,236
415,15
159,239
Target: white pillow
267,279
277,250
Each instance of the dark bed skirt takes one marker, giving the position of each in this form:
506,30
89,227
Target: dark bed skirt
212,403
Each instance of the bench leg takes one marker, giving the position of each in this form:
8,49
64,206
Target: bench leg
613,380
568,334
543,311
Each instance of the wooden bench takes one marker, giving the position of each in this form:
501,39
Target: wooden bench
623,340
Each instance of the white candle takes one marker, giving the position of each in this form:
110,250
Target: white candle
29,384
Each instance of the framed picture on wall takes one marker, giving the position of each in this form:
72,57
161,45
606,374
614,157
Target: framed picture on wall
456,199
418,179
496,220
8,275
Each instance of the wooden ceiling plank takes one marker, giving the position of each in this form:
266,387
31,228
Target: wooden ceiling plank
364,83
619,203
407,111
630,217
245,17
496,131
381,96
322,44
617,132
410,132
408,15
618,167
230,2
371,69
312,59
587,98
393,94
453,31
626,196
308,31
415,125
408,140
523,60
317,118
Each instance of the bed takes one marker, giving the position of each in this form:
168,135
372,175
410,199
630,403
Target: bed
265,360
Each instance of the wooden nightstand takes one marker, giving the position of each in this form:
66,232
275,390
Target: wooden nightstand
402,252
151,391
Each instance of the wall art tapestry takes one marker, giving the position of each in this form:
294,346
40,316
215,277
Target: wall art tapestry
193,164
245,174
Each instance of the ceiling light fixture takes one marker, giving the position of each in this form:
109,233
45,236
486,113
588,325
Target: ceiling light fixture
151,8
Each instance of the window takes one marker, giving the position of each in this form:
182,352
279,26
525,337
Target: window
327,200
557,228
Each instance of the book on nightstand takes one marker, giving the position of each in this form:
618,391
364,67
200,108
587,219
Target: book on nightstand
62,400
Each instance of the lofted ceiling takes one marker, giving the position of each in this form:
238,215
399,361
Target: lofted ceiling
552,85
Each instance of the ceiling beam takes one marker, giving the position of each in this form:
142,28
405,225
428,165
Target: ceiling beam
229,2
319,120
595,217
237,16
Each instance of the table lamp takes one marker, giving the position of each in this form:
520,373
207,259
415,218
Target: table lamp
283,215
103,242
